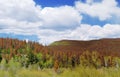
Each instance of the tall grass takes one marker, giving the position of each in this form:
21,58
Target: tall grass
64,72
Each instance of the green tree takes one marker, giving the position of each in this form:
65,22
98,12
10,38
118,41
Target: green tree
32,58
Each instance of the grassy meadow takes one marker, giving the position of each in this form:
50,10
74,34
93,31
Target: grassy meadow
63,72
14,69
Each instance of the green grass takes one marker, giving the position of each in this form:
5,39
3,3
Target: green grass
57,43
76,72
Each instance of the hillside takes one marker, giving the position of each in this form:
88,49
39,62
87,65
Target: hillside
105,46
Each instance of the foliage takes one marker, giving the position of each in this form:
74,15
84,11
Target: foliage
32,53
30,59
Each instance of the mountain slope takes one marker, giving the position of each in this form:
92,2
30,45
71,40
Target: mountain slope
105,46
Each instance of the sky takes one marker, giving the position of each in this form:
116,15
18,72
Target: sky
46,21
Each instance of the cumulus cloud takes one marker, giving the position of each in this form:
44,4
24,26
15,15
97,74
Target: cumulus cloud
83,32
19,16
87,32
26,15
60,16
21,10
47,36
104,10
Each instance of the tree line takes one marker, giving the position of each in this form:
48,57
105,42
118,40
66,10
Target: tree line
32,53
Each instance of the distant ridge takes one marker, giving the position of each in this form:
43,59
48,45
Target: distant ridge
105,45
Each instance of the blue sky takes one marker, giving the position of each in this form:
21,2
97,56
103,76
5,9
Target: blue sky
21,37
54,3
46,21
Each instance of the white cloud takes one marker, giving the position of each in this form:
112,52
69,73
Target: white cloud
47,36
21,10
60,16
19,17
103,10
89,1
18,27
87,32
83,32
25,15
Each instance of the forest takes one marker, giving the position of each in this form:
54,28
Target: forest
19,58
